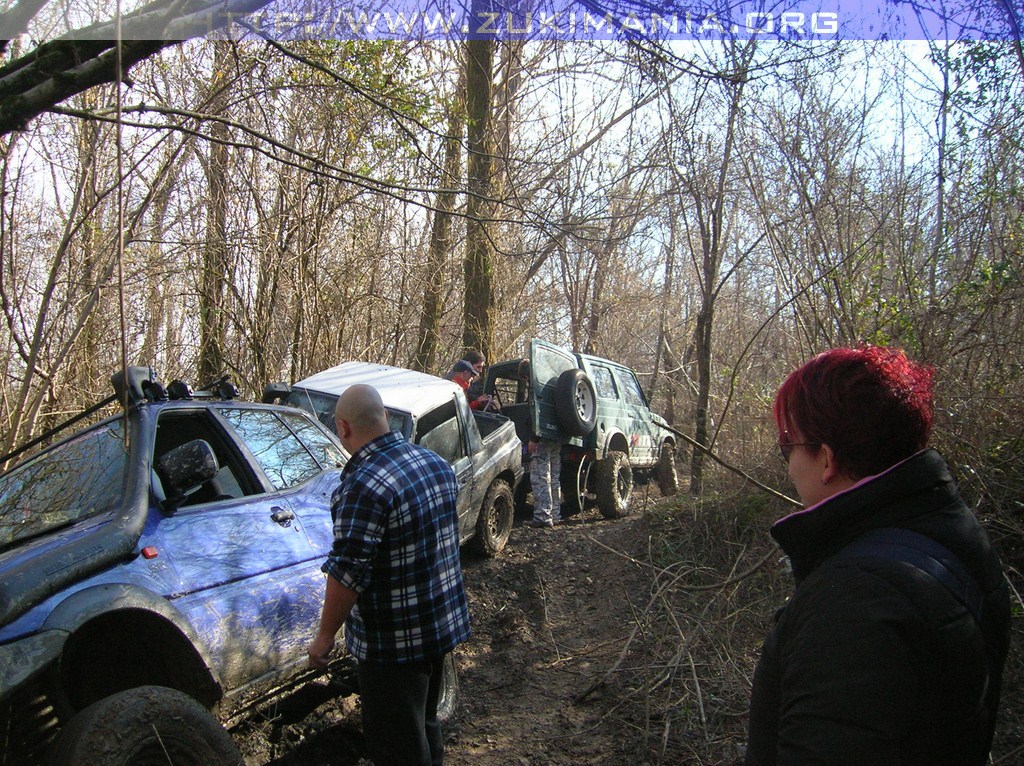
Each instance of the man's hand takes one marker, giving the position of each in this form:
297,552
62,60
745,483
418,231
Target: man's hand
320,651
338,602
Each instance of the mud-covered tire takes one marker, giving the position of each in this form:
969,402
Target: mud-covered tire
665,472
144,726
575,403
449,697
494,525
614,485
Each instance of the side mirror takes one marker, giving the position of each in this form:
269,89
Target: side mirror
184,468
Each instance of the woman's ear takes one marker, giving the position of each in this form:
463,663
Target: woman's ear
829,472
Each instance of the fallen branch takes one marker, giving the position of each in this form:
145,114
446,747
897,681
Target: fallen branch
693,588
729,467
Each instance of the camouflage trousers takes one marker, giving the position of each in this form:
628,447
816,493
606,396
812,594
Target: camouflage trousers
545,470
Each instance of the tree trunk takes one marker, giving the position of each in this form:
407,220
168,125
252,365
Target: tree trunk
428,337
702,348
478,328
712,247
215,263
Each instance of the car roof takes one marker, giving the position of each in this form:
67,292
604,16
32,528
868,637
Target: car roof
400,389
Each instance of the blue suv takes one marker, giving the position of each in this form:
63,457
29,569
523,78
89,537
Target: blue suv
160,576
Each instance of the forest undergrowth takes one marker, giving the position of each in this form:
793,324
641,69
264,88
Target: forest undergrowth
717,581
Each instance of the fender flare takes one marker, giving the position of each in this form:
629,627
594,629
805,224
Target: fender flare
612,434
87,604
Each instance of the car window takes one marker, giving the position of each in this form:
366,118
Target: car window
317,442
271,438
604,384
547,366
508,390
631,390
176,427
78,479
438,430
321,406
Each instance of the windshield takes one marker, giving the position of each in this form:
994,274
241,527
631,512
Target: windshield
80,478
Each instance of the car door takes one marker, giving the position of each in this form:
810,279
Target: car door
249,576
440,430
547,362
616,416
643,434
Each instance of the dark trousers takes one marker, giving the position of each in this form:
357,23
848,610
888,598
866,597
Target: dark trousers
399,702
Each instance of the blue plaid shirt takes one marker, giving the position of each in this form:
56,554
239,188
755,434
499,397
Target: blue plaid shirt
396,544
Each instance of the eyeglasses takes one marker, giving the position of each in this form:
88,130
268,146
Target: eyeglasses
786,446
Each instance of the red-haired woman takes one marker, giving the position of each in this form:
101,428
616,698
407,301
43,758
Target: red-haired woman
891,649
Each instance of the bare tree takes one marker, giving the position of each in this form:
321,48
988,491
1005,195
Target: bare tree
36,80
441,244
478,328
703,174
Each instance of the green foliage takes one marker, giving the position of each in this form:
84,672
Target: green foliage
988,71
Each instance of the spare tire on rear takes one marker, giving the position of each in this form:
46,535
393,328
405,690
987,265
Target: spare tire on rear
575,403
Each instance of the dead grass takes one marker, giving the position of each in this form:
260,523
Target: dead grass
716,582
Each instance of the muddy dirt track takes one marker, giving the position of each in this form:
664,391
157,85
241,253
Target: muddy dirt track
550,616
563,667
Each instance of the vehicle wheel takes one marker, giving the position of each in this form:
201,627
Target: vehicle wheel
145,726
494,525
575,403
449,696
668,478
614,485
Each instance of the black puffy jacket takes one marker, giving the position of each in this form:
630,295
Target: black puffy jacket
872,661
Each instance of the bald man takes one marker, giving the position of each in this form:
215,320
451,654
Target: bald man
393,580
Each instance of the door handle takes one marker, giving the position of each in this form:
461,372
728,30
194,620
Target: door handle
282,516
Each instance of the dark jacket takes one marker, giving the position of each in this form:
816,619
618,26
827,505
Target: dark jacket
873,661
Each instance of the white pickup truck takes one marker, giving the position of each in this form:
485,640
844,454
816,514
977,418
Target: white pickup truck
482,447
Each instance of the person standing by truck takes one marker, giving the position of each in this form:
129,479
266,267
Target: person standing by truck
394,579
545,466
464,372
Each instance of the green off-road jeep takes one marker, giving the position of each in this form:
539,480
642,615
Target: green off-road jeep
598,407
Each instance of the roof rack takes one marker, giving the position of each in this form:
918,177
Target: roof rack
133,386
